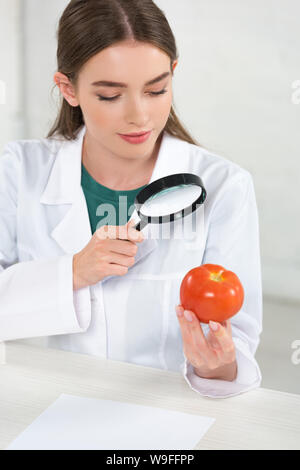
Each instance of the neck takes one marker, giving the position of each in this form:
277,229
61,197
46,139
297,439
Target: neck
117,172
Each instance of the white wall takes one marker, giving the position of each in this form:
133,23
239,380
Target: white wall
237,63
233,90
40,27
11,72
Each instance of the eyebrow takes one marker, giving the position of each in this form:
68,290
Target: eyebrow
123,85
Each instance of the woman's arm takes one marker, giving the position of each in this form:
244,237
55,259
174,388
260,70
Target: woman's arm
233,242
36,296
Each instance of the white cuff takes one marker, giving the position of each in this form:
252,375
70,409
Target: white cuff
248,376
37,299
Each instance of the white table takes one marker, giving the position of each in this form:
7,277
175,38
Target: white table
34,377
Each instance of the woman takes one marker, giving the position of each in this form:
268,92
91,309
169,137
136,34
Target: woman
94,284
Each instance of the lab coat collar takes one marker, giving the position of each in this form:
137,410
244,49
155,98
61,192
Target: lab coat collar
73,232
65,179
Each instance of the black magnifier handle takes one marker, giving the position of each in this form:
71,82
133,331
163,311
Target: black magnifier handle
141,224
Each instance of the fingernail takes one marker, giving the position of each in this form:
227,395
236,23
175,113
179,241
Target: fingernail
214,326
179,311
188,315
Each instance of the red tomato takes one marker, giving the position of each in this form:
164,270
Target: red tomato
211,292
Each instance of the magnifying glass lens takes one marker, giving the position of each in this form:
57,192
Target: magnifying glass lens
171,200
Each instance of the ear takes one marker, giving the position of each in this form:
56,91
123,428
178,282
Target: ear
66,88
174,64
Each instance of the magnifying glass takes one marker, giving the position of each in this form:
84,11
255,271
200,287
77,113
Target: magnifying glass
167,199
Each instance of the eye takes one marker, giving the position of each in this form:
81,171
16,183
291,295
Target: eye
113,98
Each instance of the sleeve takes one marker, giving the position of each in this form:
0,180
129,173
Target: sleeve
36,297
233,242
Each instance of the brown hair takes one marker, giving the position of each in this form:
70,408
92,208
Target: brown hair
86,27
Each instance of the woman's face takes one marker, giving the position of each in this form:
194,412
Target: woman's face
135,107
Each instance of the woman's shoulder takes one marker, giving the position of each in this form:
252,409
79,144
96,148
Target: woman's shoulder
214,168
30,155
223,178
33,147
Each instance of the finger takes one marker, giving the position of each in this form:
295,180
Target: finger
189,351
132,233
186,334
212,339
126,247
200,342
117,258
223,337
192,334
227,325
121,232
107,231
213,342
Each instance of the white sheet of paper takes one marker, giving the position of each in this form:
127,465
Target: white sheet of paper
81,423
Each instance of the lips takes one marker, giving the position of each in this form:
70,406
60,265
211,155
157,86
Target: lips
137,139
136,134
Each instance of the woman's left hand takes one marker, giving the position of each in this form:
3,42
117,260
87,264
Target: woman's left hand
213,356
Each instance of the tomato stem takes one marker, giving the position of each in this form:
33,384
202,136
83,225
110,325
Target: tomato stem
216,277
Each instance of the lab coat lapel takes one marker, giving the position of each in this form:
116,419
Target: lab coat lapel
171,158
73,232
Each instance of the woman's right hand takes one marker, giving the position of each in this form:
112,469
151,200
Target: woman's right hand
110,252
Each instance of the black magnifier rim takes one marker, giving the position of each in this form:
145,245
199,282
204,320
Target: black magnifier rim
165,183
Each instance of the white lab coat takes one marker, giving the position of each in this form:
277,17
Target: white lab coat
44,221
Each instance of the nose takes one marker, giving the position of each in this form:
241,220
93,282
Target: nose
137,113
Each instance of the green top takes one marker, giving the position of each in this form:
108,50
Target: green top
106,206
